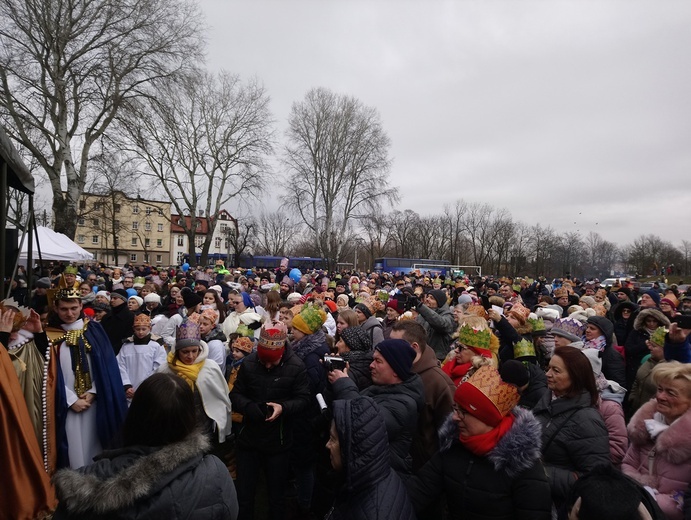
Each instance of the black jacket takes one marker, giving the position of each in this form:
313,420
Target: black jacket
285,384
118,325
173,482
508,483
400,406
574,440
371,490
635,346
613,365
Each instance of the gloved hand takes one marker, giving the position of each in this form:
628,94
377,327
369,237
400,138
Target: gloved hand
413,301
254,412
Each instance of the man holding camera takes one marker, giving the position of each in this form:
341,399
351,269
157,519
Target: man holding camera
398,392
437,319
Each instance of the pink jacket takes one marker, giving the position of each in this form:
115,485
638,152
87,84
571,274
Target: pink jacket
613,415
670,461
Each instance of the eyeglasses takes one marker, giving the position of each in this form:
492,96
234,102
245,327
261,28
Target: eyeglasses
460,411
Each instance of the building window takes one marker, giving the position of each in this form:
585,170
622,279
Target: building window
97,222
160,227
148,211
117,241
226,244
180,222
198,224
94,239
135,209
146,257
135,225
223,216
82,204
116,208
133,257
180,256
198,241
159,242
159,259
147,242
224,227
217,242
147,226
160,212
97,206
134,241
116,225
181,240
81,239
80,221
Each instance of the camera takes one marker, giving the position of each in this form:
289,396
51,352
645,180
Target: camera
332,363
683,321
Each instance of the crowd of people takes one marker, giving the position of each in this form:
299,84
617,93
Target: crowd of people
142,392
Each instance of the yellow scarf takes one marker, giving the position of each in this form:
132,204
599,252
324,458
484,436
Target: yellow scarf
187,372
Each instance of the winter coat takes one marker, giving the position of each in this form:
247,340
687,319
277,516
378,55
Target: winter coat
621,328
643,389
678,351
311,350
438,393
536,387
669,456
574,440
613,365
118,325
375,330
371,490
255,386
177,481
635,346
508,483
613,415
358,368
400,405
439,325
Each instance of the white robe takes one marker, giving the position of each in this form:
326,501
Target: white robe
80,427
137,362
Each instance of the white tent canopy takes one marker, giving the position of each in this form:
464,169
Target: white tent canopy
54,246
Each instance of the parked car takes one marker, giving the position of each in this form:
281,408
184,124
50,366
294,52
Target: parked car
646,286
609,282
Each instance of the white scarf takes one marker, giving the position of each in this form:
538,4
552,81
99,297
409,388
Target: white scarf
656,425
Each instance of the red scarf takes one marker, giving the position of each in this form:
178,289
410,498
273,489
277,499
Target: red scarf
482,444
456,371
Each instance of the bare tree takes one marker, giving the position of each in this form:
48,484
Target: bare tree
686,250
275,233
244,239
337,159
454,216
66,68
403,225
203,142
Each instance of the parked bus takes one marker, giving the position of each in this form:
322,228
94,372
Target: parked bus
304,263
406,265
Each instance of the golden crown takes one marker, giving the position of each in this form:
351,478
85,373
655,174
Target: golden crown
68,293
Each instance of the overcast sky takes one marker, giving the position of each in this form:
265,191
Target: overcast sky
571,114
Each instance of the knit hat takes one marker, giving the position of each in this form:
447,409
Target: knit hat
654,295
119,293
342,299
105,294
244,344
287,281
658,337
588,300
514,372
310,319
356,339
43,283
190,298
152,298
366,308
99,307
626,291
464,298
137,299
142,319
294,297
524,349
671,300
486,397
187,335
331,305
569,328
131,292
272,341
399,355
396,305
439,296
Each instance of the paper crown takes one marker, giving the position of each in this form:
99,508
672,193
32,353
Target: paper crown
474,337
658,337
21,316
187,335
273,335
560,292
142,319
244,344
139,280
211,315
485,396
310,319
538,326
476,310
569,328
519,312
523,348
68,293
70,269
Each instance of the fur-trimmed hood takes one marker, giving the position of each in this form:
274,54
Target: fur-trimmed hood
673,444
639,323
122,477
516,452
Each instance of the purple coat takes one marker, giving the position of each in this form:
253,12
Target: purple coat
671,463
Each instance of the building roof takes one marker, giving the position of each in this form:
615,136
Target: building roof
204,222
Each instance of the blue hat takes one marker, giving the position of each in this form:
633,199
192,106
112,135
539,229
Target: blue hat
654,295
399,355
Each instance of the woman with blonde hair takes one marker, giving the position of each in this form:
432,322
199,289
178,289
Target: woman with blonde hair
659,456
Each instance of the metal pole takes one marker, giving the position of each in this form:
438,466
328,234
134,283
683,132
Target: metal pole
4,195
30,245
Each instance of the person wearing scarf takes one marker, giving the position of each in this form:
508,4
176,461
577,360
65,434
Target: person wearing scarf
472,341
489,464
189,360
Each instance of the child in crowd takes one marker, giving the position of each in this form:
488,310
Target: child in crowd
140,355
